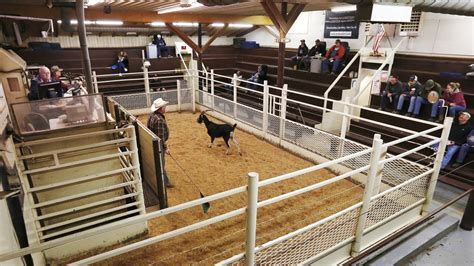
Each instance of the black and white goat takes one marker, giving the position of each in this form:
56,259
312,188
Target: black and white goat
219,131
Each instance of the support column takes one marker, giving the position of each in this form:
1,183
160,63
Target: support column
251,233
81,28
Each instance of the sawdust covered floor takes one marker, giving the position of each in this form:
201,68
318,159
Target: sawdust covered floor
214,172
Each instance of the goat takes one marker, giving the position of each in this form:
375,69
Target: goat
219,130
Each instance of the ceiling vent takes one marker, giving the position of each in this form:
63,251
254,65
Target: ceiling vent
412,28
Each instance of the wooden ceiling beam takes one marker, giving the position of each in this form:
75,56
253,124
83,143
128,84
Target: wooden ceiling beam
184,37
294,13
213,37
246,31
274,14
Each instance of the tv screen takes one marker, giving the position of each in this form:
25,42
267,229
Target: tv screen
50,90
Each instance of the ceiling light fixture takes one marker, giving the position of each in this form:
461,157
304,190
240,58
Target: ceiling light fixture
109,22
237,25
157,24
185,24
217,24
179,8
345,8
94,2
87,22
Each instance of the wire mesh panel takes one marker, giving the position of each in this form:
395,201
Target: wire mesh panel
273,125
397,200
170,96
399,171
311,243
224,106
249,115
131,101
186,95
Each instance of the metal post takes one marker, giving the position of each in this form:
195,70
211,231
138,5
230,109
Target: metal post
178,92
468,216
193,95
448,121
81,29
136,173
234,83
158,155
96,86
368,193
147,85
251,223
284,94
212,89
345,118
265,107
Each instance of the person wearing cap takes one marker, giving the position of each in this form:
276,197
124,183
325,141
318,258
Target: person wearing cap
422,99
454,99
157,124
465,148
392,92
56,76
460,129
334,57
411,89
302,52
161,45
318,48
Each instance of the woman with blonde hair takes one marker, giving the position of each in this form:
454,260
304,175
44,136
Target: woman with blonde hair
454,99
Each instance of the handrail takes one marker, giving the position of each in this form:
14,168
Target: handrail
333,84
184,64
392,54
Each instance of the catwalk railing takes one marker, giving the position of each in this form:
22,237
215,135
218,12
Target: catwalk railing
393,186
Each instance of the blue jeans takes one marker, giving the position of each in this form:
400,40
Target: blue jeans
165,48
385,98
453,110
402,100
422,101
465,148
335,65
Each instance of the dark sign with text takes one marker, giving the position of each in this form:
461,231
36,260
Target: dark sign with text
341,25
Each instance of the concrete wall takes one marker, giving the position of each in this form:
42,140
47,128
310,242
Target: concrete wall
441,35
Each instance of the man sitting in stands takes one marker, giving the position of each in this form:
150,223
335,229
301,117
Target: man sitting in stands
56,76
44,75
302,52
454,99
392,92
161,45
122,62
412,88
460,129
465,148
334,57
422,99
258,77
318,48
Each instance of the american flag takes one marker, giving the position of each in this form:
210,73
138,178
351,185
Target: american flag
378,38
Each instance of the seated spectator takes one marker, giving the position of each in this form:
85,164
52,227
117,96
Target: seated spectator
161,45
465,148
56,76
454,99
412,88
44,75
460,129
302,52
122,62
392,92
236,77
422,99
334,57
317,49
258,77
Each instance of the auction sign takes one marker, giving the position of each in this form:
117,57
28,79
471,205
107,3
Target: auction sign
341,25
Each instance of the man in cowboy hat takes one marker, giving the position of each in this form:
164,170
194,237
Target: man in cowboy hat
157,124
422,99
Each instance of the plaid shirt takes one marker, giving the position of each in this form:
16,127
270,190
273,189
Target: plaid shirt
157,124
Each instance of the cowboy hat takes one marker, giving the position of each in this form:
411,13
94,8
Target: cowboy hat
157,104
55,69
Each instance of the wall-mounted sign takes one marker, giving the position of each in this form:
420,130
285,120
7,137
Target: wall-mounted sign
341,25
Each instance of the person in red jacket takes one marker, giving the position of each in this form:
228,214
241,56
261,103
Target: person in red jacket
334,57
454,99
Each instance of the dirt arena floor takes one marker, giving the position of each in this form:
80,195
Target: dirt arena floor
214,172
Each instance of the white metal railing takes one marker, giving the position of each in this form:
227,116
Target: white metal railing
334,147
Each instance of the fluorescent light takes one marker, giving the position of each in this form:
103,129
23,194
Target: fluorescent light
157,24
59,21
240,25
87,22
217,24
109,22
185,24
94,2
179,8
344,8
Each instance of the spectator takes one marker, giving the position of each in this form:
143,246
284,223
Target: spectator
258,77
422,99
392,92
412,88
44,75
454,99
56,76
465,148
302,52
334,57
161,45
122,62
457,137
237,81
318,48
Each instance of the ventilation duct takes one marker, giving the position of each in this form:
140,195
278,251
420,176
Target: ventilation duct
219,2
